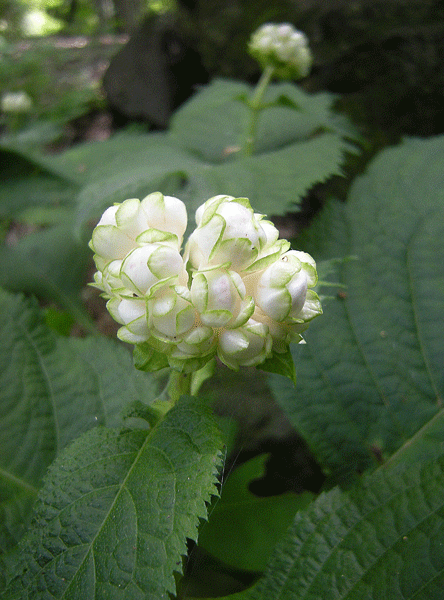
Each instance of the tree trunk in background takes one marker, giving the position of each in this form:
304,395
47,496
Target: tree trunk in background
384,57
128,14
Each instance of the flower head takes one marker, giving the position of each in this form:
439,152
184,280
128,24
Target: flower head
282,47
15,102
238,292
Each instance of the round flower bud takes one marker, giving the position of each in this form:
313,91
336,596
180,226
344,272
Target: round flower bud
283,48
148,265
246,346
130,312
132,223
219,297
228,234
282,288
170,315
15,102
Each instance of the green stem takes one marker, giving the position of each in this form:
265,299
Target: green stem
178,385
255,105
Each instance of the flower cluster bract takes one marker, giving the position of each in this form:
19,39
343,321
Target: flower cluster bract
282,47
237,291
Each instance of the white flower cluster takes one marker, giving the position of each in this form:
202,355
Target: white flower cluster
15,102
238,292
282,47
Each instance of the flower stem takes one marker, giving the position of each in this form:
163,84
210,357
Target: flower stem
178,385
256,106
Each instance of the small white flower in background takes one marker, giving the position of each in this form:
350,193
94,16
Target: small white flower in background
237,292
15,102
282,47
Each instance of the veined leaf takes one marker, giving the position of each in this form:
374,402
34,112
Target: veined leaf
199,157
280,363
371,374
214,121
133,174
49,263
383,539
51,390
276,181
244,528
116,509
25,185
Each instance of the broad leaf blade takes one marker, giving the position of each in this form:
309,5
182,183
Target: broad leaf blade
52,390
383,539
49,263
276,181
117,507
213,123
25,186
243,528
371,372
157,165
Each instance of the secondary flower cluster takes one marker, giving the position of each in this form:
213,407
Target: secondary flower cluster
282,47
237,292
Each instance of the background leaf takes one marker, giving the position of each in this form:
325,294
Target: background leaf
371,372
49,263
213,123
25,185
116,509
195,159
243,528
51,390
382,539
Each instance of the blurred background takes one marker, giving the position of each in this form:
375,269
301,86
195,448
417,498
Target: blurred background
93,66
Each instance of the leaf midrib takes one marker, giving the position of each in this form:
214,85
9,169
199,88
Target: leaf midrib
121,489
21,483
415,310
47,379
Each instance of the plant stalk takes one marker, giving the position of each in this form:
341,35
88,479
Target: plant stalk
256,106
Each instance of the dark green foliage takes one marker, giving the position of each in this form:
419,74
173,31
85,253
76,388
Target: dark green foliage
371,372
244,528
52,390
116,509
381,540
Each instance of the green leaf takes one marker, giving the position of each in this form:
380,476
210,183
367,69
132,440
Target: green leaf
243,529
213,123
281,363
49,263
198,158
277,180
52,389
383,539
25,185
117,507
156,165
370,375
146,358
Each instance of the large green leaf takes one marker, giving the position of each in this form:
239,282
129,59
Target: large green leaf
383,539
244,528
51,390
371,373
49,263
25,184
275,181
300,142
157,165
213,123
117,507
